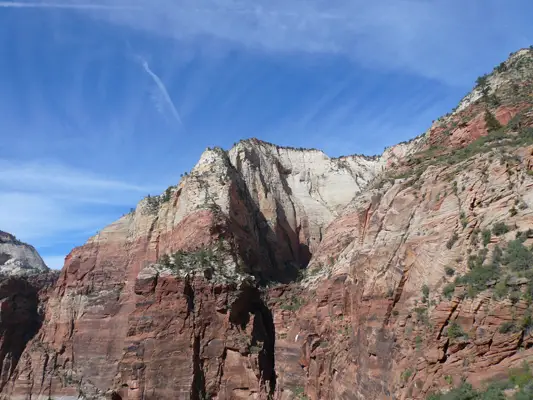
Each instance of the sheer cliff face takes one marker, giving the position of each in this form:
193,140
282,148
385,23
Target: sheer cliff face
117,325
378,320
377,243
299,192
25,283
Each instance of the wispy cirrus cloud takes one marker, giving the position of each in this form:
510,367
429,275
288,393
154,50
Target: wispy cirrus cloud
162,90
42,202
438,39
434,39
76,6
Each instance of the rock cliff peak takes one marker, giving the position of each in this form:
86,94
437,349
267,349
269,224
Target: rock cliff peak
18,258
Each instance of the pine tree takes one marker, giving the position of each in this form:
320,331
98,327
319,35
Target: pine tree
491,121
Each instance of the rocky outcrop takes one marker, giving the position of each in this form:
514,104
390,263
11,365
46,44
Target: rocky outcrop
367,330
273,272
25,284
263,208
299,192
18,258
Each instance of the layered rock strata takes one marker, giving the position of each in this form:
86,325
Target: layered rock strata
272,272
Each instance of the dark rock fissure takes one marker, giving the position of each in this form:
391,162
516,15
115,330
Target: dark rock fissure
250,302
264,330
20,320
198,391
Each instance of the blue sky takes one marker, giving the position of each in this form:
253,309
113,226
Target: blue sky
103,102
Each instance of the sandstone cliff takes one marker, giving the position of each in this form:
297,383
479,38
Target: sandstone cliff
273,272
24,285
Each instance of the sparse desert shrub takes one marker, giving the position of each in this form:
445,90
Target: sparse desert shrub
518,256
526,322
514,296
500,228
406,374
448,290
520,378
501,289
452,240
478,277
455,331
506,327
425,290
497,254
486,237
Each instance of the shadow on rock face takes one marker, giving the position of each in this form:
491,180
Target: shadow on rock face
249,303
20,320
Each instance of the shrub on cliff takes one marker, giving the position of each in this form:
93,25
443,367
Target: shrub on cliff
519,378
463,392
448,290
478,278
507,327
500,228
455,331
482,81
486,237
425,290
452,240
165,261
518,256
166,195
292,304
492,122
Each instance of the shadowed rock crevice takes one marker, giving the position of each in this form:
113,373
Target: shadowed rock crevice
20,319
268,253
198,390
249,304
264,332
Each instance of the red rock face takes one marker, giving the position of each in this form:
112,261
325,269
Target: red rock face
369,320
469,125
21,317
110,331
189,339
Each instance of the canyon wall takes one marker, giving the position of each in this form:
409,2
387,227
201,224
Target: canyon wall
272,272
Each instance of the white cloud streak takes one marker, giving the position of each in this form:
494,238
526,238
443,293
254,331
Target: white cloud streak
162,90
61,182
46,202
75,6
436,39
443,40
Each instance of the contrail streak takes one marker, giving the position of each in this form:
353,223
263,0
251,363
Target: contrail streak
162,88
15,4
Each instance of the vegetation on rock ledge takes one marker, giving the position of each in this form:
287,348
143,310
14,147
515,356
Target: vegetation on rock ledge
520,379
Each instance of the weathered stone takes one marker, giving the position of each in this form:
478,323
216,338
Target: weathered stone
368,320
